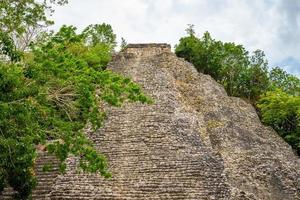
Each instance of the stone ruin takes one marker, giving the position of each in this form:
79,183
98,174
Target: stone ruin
193,142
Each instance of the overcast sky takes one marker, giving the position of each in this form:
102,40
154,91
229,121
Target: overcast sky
269,25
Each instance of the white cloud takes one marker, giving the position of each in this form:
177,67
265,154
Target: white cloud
270,25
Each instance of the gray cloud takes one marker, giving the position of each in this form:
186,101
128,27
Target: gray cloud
270,25
290,26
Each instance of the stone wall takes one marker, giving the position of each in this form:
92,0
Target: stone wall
151,49
193,142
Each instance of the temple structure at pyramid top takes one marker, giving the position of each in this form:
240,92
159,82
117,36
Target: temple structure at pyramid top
148,49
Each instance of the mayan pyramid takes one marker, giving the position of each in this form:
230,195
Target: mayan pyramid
193,142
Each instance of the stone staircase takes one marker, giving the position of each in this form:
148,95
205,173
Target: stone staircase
46,179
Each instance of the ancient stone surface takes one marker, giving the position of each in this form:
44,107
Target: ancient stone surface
46,179
193,142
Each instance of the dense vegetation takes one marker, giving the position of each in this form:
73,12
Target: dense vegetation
51,86
275,93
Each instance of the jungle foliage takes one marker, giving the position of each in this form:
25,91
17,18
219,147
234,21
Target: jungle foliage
52,91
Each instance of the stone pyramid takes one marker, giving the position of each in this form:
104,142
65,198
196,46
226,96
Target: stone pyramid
193,142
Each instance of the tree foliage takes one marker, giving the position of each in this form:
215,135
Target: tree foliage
8,49
99,33
23,20
231,65
284,81
49,100
282,111
49,94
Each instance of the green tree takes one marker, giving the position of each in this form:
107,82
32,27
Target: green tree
53,93
99,33
50,99
254,79
233,61
282,111
284,81
229,64
205,53
19,19
187,48
8,50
